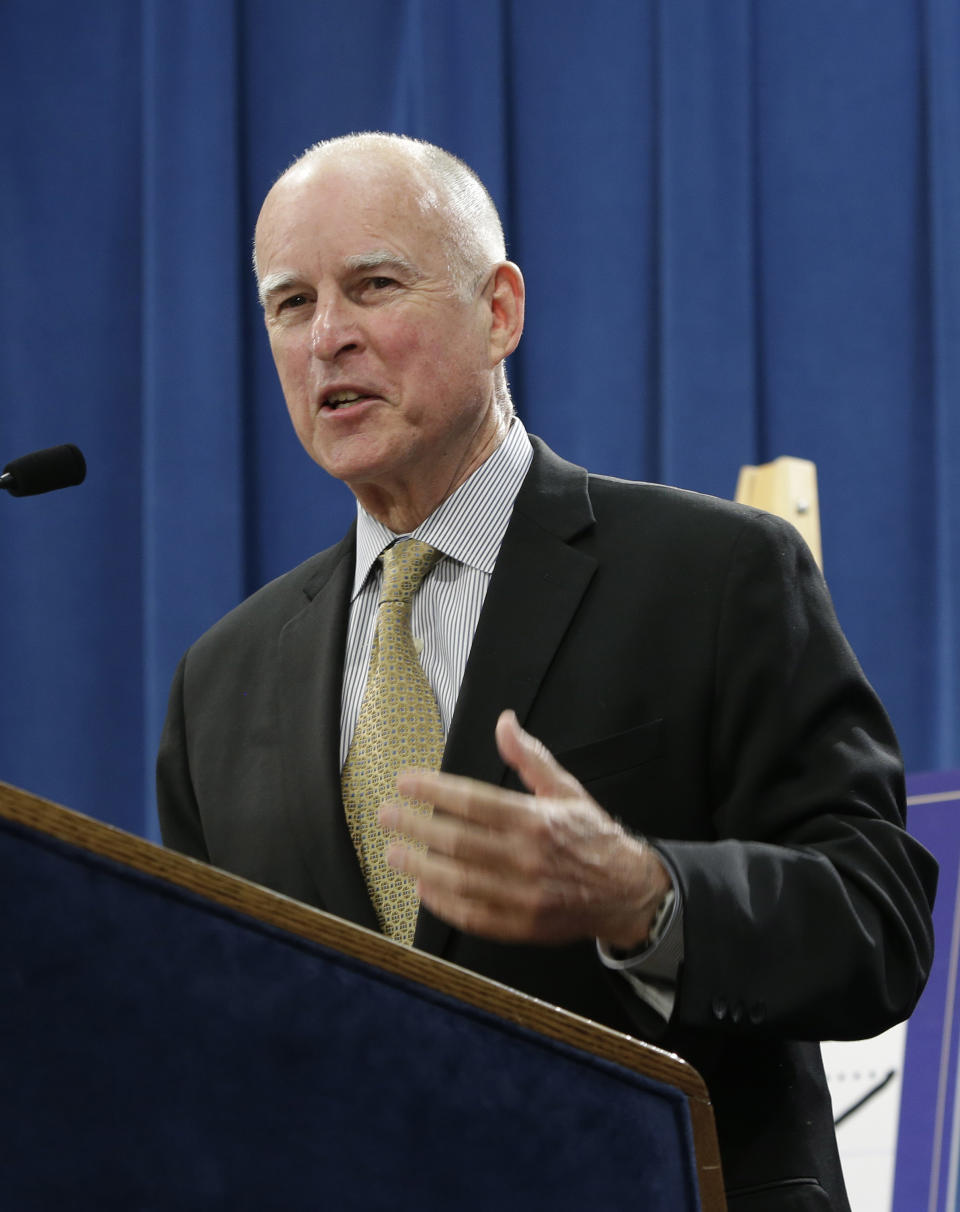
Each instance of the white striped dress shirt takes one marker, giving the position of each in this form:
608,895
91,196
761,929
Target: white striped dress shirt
468,528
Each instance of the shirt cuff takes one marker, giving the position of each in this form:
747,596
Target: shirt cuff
652,971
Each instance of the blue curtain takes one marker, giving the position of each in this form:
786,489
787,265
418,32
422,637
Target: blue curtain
740,229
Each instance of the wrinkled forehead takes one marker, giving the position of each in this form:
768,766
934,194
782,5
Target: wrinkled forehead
383,192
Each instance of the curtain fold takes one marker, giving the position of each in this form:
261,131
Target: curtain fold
192,391
709,306
740,230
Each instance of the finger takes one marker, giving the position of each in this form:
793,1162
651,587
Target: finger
539,770
469,799
481,902
449,835
513,850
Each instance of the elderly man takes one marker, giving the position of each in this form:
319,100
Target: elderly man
704,844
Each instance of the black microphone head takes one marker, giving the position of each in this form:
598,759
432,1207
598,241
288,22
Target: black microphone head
44,471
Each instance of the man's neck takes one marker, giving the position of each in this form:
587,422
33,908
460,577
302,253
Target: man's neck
406,507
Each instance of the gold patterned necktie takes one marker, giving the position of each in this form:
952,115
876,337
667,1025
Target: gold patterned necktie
399,725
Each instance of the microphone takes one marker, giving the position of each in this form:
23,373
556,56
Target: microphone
44,471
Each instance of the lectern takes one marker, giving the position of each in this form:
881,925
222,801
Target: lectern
175,1038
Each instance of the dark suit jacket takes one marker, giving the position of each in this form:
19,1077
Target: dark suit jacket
680,656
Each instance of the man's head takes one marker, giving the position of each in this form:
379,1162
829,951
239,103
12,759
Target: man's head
390,308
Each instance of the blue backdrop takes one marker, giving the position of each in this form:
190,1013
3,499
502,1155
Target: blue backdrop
740,228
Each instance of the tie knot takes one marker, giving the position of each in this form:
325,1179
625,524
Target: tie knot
405,564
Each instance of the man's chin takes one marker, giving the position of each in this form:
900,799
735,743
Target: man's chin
361,463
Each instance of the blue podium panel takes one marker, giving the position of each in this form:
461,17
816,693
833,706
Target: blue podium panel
163,1052
928,1144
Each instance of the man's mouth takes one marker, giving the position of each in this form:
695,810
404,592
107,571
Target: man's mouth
343,399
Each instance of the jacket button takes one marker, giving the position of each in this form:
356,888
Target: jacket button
736,1012
758,1012
719,1007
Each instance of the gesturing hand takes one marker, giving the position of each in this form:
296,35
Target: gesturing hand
547,867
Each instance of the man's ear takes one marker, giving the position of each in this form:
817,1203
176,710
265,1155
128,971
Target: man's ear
506,297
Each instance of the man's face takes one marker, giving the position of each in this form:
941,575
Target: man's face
386,370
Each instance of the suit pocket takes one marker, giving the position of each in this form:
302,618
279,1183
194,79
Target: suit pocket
791,1195
613,755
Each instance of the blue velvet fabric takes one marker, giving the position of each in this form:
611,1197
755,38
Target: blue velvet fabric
159,1053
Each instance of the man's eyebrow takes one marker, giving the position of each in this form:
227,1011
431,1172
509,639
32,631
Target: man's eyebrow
382,258
274,284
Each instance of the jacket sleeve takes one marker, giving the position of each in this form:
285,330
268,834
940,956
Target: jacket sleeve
177,808
808,912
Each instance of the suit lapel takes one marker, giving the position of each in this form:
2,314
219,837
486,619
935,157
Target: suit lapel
311,677
535,591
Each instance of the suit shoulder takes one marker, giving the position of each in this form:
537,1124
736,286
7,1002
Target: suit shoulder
647,521
680,507
676,529
273,604
672,501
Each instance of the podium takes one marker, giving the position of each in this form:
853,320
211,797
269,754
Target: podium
175,1038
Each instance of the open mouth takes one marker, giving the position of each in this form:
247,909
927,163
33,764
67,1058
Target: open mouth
337,401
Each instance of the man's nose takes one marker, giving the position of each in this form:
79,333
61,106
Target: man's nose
335,329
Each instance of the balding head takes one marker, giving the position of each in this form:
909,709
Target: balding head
467,220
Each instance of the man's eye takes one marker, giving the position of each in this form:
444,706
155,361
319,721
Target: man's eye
380,283
291,301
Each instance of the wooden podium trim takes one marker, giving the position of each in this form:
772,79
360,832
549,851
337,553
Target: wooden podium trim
305,922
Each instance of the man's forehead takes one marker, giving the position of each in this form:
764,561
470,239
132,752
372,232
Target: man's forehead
390,247
368,171
372,217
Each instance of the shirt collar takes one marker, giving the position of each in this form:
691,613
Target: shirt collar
470,524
